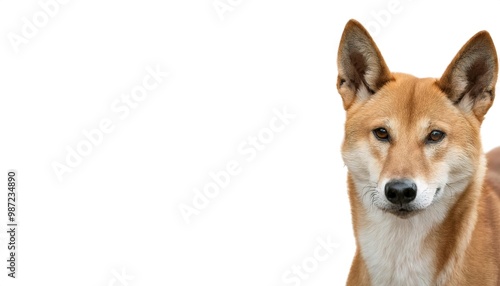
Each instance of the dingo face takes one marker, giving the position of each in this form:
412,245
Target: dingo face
407,145
412,143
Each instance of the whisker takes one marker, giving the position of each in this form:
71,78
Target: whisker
451,194
370,189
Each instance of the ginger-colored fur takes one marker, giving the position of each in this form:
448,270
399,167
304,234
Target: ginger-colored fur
450,233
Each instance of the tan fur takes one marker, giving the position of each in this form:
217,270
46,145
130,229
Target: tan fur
462,241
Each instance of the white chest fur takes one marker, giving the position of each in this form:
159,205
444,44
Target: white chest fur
395,251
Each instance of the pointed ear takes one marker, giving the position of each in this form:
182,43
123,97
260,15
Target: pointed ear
469,81
362,70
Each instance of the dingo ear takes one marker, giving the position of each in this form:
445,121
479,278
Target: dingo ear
362,70
469,81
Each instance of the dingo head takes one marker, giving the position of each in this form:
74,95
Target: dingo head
410,142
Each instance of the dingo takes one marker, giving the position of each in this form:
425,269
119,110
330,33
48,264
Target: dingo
425,201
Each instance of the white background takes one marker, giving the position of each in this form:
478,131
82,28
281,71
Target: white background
118,210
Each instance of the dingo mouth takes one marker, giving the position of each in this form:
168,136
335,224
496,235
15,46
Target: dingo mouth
403,211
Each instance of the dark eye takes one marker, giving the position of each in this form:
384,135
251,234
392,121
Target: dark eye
435,136
381,134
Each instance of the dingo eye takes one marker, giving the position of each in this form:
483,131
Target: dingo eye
435,136
381,134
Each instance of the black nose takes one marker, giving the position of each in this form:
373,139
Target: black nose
400,191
